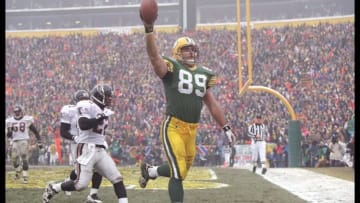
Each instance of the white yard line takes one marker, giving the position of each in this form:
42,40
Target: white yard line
312,187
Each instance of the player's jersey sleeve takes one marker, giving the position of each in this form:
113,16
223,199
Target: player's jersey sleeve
29,120
7,125
69,115
211,75
85,109
66,114
169,65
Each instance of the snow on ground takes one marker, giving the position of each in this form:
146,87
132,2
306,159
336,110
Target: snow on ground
312,187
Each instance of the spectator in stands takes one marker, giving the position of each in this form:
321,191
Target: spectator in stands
350,127
313,153
298,62
324,155
53,154
115,151
337,152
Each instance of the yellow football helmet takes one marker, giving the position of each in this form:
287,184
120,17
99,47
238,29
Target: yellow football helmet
181,43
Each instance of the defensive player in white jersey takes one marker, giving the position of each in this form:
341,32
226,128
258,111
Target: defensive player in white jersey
17,128
258,133
69,131
91,154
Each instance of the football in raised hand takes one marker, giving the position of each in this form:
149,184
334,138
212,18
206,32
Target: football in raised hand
149,11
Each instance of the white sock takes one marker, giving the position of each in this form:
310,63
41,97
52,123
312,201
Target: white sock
93,191
57,187
25,173
153,171
123,200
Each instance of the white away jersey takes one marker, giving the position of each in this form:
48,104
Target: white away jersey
69,115
88,109
20,128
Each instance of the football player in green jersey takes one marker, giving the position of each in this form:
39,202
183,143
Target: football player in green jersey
186,87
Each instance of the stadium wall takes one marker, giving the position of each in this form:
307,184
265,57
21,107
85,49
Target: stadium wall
176,28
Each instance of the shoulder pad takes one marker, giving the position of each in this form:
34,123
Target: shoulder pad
206,68
67,108
169,65
28,118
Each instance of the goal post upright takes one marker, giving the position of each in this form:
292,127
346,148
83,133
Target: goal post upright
294,132
239,52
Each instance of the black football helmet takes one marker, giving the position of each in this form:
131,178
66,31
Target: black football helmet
102,95
80,95
18,112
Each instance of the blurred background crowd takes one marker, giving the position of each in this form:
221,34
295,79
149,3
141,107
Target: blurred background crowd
311,66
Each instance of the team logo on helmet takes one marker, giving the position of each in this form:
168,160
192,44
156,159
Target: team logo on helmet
102,95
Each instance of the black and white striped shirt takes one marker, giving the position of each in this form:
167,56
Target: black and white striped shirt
258,132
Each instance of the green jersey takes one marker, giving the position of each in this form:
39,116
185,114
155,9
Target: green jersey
185,89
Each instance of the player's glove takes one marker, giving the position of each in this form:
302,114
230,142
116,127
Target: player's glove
75,138
100,118
40,144
228,133
149,28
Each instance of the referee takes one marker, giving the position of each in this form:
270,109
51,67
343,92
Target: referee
257,131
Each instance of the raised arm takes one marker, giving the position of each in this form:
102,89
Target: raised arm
150,39
156,60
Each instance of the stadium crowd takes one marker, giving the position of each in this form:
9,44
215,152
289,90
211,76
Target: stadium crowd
312,66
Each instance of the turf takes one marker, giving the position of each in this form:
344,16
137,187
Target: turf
201,185
231,185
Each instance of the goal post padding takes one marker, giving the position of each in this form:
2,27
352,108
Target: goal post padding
294,144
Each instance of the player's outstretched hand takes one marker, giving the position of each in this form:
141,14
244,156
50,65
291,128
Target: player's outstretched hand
76,138
100,118
149,28
148,14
